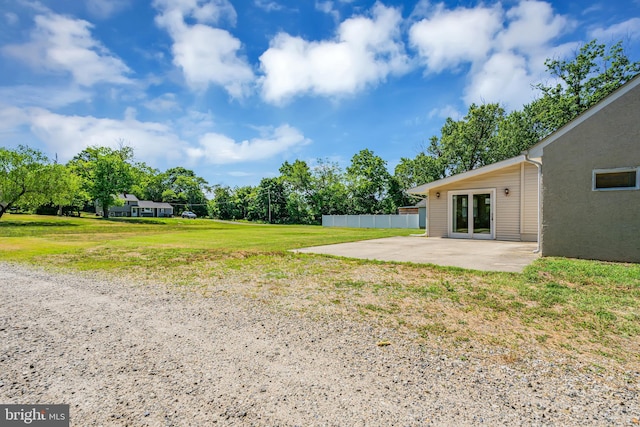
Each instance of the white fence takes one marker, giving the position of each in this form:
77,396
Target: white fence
371,221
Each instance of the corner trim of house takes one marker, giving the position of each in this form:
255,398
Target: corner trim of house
539,166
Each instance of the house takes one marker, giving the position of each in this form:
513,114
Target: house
133,207
152,209
590,181
576,192
497,201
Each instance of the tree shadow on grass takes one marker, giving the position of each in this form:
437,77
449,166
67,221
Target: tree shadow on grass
35,224
136,221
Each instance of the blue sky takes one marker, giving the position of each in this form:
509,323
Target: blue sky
232,89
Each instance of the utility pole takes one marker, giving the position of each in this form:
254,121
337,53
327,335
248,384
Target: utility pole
269,195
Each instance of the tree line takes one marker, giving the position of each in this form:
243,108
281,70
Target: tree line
30,181
302,193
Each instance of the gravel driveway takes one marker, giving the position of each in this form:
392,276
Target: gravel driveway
128,354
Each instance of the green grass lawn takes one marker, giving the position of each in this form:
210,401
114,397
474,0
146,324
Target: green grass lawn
28,237
584,309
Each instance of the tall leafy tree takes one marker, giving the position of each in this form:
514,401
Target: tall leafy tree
105,173
368,179
297,178
147,182
270,202
583,80
518,131
329,191
242,200
395,197
420,170
29,179
410,173
71,194
223,204
471,142
183,187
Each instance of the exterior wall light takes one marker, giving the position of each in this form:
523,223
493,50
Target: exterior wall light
506,191
437,195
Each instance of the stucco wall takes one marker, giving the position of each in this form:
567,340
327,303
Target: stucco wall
577,221
507,218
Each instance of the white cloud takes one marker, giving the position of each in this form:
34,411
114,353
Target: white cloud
206,55
62,44
421,10
68,135
327,7
240,174
209,56
268,6
12,118
503,48
104,9
220,149
518,56
629,29
155,142
446,112
195,123
163,103
364,52
504,79
44,96
449,38
203,11
532,25
11,18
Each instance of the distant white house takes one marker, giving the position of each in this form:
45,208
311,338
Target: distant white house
133,207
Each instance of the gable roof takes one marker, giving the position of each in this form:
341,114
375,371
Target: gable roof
128,197
421,204
537,150
149,204
424,188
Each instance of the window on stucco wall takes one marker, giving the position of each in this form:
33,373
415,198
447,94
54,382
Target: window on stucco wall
616,179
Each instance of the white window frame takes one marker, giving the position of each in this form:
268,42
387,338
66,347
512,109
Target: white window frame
470,234
615,170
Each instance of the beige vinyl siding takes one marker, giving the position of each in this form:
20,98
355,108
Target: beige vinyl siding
507,208
437,215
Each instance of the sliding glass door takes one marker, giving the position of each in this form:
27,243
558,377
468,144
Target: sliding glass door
471,214
460,213
482,215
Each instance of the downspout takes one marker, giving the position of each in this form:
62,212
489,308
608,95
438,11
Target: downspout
539,166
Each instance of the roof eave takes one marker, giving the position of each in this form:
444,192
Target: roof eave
424,188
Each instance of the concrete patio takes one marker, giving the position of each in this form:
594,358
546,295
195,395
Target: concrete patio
487,255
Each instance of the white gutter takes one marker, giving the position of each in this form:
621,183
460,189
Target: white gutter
539,166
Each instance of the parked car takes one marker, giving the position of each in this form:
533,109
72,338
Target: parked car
190,215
